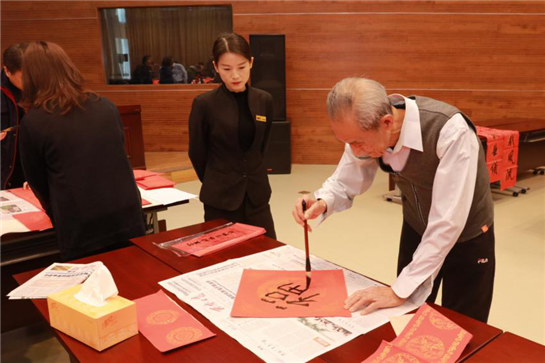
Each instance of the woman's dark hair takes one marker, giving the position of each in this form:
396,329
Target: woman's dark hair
145,58
50,80
231,43
167,62
13,57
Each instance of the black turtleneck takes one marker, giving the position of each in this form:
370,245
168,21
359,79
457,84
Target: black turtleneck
246,124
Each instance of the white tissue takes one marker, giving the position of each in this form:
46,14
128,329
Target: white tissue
98,287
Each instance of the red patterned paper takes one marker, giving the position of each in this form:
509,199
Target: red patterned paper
389,353
430,337
219,239
166,325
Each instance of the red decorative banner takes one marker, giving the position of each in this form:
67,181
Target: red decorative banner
219,239
501,155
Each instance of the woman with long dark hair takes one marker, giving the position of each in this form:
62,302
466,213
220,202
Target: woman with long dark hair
229,129
73,155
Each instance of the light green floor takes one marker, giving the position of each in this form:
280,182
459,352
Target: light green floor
365,239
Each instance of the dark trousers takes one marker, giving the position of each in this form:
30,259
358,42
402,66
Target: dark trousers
467,273
247,213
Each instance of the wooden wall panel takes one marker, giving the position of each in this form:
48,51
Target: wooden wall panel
485,57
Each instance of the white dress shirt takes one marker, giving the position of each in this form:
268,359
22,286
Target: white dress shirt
452,192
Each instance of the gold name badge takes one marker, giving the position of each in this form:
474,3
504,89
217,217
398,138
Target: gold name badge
261,118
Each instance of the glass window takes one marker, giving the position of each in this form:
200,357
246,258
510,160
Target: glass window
162,44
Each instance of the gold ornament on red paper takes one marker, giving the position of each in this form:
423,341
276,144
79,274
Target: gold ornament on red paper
162,317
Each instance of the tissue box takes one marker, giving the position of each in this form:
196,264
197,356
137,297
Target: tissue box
99,327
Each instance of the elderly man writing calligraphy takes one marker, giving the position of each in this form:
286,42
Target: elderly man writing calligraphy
433,154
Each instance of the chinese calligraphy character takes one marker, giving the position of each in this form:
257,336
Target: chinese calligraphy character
494,169
283,294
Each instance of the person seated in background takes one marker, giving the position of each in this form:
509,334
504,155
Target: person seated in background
73,155
209,74
142,74
194,73
179,73
12,113
165,74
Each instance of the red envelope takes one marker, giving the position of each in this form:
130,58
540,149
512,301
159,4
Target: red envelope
145,202
432,337
282,294
142,174
219,239
155,182
166,325
34,221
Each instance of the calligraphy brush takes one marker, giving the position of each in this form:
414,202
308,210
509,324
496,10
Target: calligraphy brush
309,273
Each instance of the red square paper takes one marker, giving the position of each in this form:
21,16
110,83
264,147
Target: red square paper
282,294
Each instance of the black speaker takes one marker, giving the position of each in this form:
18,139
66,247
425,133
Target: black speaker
278,157
269,69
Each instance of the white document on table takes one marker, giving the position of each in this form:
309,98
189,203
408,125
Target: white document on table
165,196
212,291
57,277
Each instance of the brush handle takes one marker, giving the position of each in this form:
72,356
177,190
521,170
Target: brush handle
304,204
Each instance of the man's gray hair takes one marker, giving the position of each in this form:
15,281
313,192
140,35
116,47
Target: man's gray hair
364,98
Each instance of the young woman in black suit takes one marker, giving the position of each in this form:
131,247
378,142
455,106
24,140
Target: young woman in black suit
229,130
73,156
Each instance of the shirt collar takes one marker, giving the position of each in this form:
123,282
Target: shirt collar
411,134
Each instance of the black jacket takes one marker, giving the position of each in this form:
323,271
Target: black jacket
12,173
77,166
141,75
227,173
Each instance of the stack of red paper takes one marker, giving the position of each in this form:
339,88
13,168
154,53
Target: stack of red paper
430,337
142,174
219,239
501,155
154,182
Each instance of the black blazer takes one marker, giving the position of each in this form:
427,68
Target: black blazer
77,166
12,172
226,172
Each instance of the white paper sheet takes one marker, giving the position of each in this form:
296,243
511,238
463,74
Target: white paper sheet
166,196
57,277
212,291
